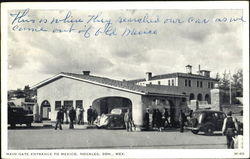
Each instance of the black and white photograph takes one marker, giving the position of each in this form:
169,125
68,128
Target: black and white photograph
125,80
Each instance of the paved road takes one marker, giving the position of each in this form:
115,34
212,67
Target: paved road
82,138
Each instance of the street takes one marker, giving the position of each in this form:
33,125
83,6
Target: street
39,137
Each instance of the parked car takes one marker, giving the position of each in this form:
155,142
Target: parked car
18,115
113,120
206,121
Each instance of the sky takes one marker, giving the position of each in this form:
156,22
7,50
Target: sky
36,56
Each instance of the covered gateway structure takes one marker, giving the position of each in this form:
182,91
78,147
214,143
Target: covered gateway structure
104,94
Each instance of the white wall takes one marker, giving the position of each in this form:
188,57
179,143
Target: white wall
69,89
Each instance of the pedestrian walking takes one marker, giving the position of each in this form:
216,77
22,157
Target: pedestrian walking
230,125
72,117
182,119
128,120
59,119
146,119
166,114
90,115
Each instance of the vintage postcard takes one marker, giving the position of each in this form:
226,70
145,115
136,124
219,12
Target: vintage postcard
125,80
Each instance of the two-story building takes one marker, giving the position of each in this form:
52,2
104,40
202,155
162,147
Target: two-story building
194,86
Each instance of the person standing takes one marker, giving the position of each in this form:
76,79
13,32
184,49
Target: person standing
166,114
158,119
146,119
30,111
90,115
182,118
80,117
77,113
72,117
128,120
94,116
154,118
59,119
230,125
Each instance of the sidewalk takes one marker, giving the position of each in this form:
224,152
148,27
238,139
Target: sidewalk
49,124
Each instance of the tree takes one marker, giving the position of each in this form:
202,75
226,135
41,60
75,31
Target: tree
224,82
237,82
237,79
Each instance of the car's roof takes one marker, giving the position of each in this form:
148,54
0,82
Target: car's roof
122,108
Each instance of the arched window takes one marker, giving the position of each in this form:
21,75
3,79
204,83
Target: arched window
191,96
207,98
199,97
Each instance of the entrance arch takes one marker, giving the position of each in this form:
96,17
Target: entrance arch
191,96
207,98
199,97
104,105
45,110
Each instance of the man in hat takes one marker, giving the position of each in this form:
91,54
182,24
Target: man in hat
59,119
72,117
230,125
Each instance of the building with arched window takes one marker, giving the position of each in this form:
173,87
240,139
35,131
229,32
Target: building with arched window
103,94
194,86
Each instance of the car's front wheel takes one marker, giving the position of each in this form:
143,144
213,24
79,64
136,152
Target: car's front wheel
28,125
110,125
195,131
12,125
209,130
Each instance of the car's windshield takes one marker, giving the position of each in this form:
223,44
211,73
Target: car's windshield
116,111
196,114
199,116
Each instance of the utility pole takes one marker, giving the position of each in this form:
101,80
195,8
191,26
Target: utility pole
230,88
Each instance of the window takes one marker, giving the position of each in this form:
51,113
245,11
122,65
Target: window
68,103
79,104
189,83
208,85
201,84
169,82
198,82
186,83
58,105
159,82
212,85
172,82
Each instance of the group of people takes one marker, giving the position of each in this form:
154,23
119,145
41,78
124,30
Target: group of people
74,115
160,119
91,115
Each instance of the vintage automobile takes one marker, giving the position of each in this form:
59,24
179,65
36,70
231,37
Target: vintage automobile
206,121
18,115
113,120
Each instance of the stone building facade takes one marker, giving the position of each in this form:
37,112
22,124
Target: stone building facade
194,86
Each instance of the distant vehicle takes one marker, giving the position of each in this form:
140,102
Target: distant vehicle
206,121
18,115
113,120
